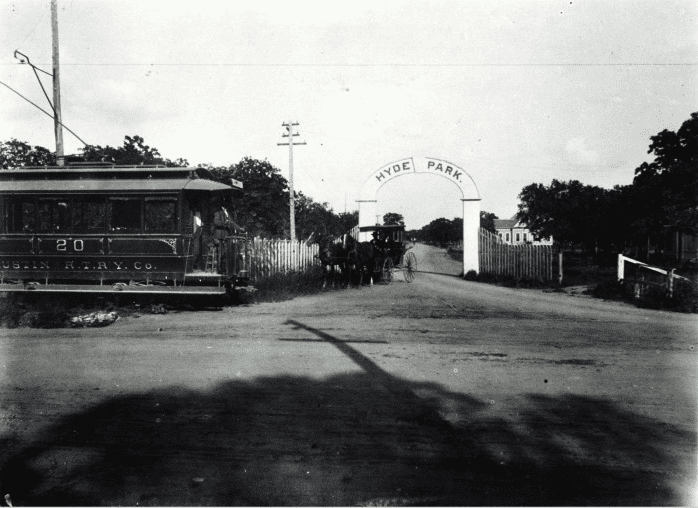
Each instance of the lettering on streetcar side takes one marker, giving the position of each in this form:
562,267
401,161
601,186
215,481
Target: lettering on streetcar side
70,264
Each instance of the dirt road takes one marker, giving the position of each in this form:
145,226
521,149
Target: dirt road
439,392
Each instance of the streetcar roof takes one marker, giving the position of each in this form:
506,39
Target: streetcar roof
72,186
109,179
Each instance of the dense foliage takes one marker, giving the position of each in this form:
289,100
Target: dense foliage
444,232
665,191
262,211
134,151
487,221
663,197
393,219
14,154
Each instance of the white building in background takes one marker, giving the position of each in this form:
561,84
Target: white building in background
515,232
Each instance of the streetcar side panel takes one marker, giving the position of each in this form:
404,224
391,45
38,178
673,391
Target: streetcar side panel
97,225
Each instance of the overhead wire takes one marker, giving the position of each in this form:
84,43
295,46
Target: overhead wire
539,165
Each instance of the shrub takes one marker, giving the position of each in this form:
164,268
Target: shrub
471,275
685,297
25,311
610,290
653,297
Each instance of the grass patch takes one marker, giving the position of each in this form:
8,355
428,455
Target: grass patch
282,286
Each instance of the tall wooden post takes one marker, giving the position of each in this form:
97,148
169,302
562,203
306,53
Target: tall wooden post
57,121
559,277
292,201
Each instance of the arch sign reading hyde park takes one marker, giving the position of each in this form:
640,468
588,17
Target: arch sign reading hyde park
457,175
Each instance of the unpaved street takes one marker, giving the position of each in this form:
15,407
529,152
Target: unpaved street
439,392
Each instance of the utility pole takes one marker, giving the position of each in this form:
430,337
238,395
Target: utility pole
57,121
290,135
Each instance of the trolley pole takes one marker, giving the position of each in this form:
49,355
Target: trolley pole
57,121
292,202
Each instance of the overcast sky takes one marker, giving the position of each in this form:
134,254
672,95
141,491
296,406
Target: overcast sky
513,92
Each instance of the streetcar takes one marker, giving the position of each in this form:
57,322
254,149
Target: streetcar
98,227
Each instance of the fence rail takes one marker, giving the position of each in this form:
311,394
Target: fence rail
646,275
270,257
500,258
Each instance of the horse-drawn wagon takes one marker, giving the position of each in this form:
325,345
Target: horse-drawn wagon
391,252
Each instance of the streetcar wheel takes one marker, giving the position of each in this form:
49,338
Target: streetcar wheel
387,271
409,266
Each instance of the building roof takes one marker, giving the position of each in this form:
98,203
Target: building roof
505,223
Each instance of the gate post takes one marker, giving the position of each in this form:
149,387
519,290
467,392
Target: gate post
471,235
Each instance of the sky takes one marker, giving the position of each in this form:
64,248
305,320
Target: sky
513,92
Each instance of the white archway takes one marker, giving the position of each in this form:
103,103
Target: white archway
470,197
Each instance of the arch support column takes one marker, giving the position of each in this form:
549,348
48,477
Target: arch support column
470,197
471,235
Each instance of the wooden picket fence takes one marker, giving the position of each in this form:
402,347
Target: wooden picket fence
500,258
270,257
354,232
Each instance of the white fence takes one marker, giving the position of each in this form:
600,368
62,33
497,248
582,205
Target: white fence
500,258
270,257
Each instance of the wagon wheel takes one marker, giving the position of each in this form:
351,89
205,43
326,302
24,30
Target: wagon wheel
387,274
409,266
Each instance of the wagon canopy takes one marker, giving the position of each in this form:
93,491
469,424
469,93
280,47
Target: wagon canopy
391,227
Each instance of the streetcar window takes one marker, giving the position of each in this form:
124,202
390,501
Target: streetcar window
21,216
53,215
125,214
160,215
89,215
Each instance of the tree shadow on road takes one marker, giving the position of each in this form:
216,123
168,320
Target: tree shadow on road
357,438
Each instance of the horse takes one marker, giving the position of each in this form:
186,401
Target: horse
333,257
361,259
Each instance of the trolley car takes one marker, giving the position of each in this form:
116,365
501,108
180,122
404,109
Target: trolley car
391,252
106,228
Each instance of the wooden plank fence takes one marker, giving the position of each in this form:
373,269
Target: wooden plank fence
270,257
500,258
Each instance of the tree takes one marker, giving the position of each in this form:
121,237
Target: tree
442,231
347,220
570,212
264,208
487,221
14,153
665,191
133,152
316,219
393,219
